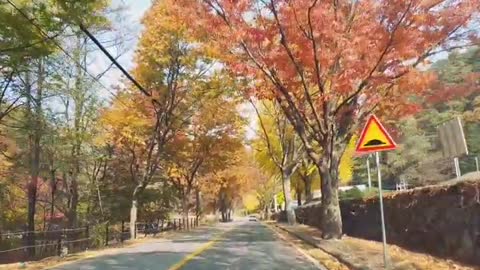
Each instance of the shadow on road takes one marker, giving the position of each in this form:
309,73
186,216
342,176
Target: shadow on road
249,247
131,261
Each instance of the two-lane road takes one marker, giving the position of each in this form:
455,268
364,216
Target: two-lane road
232,246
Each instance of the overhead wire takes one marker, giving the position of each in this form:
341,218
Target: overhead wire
45,35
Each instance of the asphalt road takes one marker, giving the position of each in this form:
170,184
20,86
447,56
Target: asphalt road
233,246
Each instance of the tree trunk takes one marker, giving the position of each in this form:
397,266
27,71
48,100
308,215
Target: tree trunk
198,209
275,203
307,180
72,211
133,210
99,197
331,218
52,194
133,218
299,198
185,201
223,206
35,122
288,198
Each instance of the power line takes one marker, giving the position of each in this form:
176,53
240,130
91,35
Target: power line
114,61
42,32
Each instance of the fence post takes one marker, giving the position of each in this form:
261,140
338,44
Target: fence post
174,224
135,231
123,229
59,244
87,232
65,242
106,233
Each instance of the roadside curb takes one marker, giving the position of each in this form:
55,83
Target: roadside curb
314,261
311,242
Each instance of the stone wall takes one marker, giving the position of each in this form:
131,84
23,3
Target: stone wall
443,220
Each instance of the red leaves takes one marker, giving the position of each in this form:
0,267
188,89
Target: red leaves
331,48
442,92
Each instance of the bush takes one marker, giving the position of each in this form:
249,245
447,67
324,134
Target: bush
351,194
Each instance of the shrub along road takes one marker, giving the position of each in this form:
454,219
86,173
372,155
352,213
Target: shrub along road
236,245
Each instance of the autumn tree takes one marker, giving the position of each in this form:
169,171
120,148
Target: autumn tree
30,36
175,77
329,64
283,148
228,184
205,146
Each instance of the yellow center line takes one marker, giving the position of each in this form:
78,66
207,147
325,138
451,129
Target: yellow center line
197,252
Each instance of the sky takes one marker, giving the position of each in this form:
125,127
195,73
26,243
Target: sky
126,24
134,13
129,26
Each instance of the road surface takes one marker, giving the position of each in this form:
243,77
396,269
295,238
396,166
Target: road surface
233,246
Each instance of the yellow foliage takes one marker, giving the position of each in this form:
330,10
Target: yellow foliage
345,173
250,202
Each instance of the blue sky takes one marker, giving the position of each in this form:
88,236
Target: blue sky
128,25
134,13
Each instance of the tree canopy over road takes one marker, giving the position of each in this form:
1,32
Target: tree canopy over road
75,150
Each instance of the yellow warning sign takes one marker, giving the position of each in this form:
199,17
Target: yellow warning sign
374,138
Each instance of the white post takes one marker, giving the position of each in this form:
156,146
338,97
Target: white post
368,172
476,164
275,204
457,167
384,236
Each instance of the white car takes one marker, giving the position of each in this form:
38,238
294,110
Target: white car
252,218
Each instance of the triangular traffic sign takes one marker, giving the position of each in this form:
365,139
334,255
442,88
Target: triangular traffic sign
374,138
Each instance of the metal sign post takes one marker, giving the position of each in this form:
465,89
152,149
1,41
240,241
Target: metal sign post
457,167
375,138
380,194
476,164
368,172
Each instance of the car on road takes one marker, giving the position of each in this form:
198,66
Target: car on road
252,218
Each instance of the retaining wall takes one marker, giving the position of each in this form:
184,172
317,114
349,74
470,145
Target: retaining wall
442,220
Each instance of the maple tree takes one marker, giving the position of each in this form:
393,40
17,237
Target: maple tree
328,64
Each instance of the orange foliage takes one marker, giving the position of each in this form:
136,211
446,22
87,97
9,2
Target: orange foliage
335,50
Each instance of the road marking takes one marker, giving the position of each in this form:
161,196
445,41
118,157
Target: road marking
197,252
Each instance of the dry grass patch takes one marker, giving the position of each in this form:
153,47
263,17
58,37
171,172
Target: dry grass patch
325,259
364,254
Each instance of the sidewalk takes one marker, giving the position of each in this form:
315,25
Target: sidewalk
363,254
